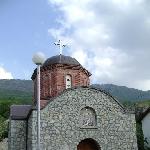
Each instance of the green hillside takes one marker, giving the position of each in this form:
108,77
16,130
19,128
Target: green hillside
22,91
123,93
16,90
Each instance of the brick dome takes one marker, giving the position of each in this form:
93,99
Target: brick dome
61,59
57,74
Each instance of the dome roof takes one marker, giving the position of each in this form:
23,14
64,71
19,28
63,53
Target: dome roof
61,59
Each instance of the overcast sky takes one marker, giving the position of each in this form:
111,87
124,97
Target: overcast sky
111,38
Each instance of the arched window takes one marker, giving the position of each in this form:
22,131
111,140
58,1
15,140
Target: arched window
68,81
87,117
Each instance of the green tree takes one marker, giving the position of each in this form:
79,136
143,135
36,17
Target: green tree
3,128
140,136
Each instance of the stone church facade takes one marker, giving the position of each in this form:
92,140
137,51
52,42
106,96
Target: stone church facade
74,116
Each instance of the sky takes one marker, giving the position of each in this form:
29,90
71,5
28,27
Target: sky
110,38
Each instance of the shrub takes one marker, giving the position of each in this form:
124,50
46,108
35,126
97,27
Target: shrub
3,128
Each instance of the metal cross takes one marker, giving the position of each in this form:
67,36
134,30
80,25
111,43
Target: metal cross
61,45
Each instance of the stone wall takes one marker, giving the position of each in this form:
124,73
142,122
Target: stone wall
17,135
61,127
32,131
4,144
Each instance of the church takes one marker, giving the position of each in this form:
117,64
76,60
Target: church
74,115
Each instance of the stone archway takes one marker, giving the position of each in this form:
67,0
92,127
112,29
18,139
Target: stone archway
88,144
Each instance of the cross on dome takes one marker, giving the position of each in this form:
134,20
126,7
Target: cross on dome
61,45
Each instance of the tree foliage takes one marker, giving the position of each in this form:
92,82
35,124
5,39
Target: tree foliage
3,128
140,136
4,115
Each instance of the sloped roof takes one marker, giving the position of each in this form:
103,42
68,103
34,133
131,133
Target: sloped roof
19,112
61,59
142,115
89,87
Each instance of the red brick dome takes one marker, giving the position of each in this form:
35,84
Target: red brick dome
59,73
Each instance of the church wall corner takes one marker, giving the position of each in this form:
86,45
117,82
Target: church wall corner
17,134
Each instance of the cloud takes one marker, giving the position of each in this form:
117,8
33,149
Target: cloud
5,74
110,38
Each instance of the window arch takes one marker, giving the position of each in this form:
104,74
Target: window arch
68,81
87,117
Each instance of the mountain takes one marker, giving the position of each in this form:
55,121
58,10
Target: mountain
124,93
16,90
22,90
